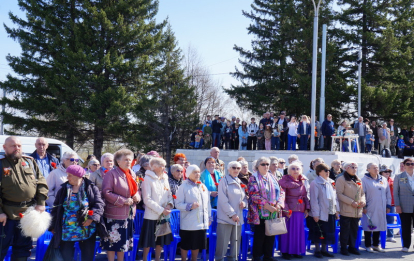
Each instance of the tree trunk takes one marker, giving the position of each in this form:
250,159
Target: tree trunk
98,141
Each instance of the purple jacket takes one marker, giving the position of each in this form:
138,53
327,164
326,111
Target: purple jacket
294,192
115,192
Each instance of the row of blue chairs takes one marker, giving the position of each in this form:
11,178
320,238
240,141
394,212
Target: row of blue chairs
170,250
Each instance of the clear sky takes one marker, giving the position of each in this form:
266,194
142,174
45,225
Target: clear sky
212,27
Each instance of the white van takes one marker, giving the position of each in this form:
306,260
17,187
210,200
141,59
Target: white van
28,146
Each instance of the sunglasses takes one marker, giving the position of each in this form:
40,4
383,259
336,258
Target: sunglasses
179,170
238,168
294,169
264,164
409,164
326,170
386,171
282,162
75,160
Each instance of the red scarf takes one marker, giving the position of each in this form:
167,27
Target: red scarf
133,187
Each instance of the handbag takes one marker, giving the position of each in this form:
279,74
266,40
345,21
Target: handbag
274,227
163,227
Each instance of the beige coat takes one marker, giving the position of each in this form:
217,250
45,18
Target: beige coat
348,192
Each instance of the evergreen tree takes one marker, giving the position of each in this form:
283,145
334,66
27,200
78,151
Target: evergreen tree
382,29
276,74
82,63
166,109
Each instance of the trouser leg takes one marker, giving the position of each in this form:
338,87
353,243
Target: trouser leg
375,238
406,225
235,240
254,142
223,238
67,250
368,239
249,143
87,248
21,245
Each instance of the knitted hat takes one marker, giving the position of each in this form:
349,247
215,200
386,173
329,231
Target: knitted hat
75,170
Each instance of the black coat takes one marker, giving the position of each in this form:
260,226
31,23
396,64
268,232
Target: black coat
95,203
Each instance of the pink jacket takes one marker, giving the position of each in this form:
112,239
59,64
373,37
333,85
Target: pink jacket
295,191
115,192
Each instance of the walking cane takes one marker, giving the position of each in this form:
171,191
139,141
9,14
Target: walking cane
237,243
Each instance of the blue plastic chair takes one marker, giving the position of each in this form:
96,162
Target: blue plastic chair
337,230
8,256
308,242
138,221
42,244
247,237
213,236
383,234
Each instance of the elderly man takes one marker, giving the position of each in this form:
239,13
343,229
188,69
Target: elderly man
22,186
384,137
291,159
281,125
214,152
361,129
43,159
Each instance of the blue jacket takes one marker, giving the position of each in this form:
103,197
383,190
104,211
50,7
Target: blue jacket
300,129
50,157
327,128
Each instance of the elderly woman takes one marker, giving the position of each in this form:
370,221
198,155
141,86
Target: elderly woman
266,198
211,177
311,174
144,163
244,174
378,204
158,204
336,169
93,166
176,178
351,200
107,160
404,200
386,173
296,187
231,202
274,163
58,176
179,159
121,194
193,201
79,207
324,211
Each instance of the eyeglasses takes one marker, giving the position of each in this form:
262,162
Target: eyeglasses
295,169
178,170
282,162
387,171
409,164
75,160
264,164
96,165
238,168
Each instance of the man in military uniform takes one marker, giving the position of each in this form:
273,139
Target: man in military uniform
22,185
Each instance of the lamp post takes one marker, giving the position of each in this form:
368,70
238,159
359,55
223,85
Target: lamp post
314,71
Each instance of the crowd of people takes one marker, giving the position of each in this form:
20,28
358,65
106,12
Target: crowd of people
291,133
102,199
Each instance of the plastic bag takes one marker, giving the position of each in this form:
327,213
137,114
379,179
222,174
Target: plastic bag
52,253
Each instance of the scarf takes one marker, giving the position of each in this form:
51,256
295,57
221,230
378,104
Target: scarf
271,197
328,188
133,187
81,195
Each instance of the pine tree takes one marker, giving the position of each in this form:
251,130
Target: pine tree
82,63
166,109
382,29
276,74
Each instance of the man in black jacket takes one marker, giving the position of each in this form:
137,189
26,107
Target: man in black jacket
216,128
282,121
43,159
